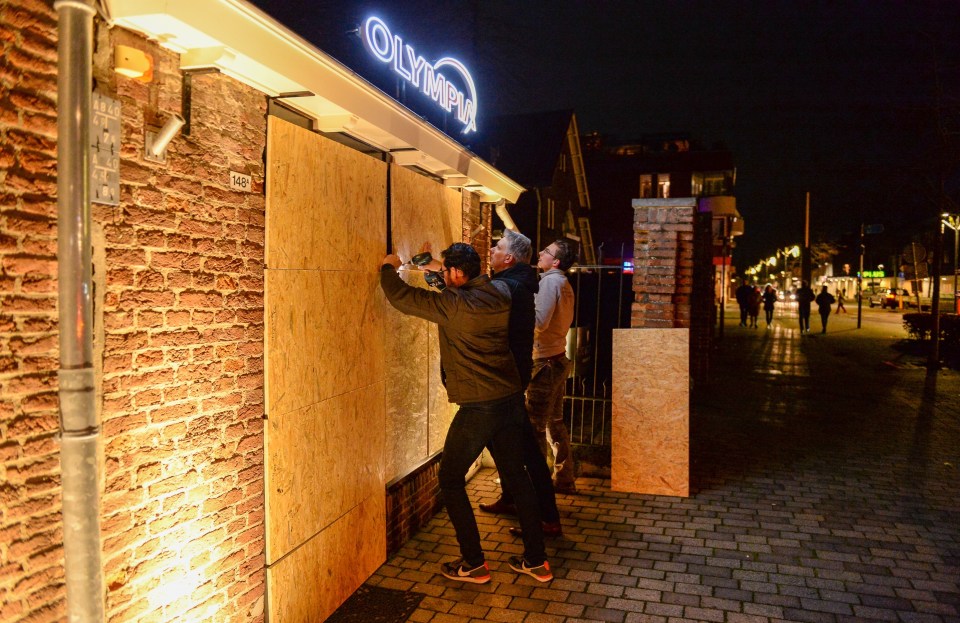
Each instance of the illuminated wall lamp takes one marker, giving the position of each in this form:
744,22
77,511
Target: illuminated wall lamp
133,63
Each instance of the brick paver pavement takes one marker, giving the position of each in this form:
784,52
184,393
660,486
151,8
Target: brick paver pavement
825,489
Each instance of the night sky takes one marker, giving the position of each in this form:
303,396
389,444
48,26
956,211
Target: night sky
835,98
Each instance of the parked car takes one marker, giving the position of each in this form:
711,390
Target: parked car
890,297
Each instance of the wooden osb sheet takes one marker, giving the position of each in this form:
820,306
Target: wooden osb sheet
423,210
325,203
418,413
441,410
406,350
651,411
321,462
324,336
324,369
310,583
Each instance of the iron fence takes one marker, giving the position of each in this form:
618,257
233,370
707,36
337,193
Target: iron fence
603,297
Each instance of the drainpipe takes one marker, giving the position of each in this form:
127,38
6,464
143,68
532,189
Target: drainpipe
79,427
504,214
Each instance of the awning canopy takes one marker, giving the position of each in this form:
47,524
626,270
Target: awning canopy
243,42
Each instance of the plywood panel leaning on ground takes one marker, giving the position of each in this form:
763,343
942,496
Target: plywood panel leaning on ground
650,450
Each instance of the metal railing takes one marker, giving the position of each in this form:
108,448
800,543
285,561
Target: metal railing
604,295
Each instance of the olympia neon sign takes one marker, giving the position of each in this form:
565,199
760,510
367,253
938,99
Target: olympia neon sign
390,49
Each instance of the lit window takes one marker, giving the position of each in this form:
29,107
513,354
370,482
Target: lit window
646,186
663,185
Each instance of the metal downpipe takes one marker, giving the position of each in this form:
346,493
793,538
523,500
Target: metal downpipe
79,426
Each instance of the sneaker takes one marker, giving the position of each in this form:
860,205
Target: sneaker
499,508
540,573
457,570
550,529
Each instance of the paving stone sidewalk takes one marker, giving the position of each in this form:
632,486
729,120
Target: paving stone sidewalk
825,489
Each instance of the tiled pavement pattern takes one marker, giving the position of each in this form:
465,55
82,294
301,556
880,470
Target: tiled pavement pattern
825,489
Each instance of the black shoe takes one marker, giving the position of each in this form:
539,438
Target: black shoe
499,508
551,529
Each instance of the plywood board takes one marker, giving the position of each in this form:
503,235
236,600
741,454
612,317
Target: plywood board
326,203
312,581
323,334
418,413
321,461
651,411
406,356
423,210
325,371
441,410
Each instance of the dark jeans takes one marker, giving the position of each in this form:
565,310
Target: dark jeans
743,315
545,405
539,471
498,425
804,317
823,320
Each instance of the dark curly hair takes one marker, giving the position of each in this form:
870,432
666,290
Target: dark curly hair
461,255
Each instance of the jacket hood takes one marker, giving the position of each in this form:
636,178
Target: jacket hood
523,274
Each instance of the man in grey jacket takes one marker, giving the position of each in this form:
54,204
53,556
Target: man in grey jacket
478,370
555,308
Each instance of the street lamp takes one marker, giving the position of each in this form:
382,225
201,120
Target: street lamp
953,222
787,252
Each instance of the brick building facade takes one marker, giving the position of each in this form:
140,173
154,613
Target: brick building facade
178,341
178,307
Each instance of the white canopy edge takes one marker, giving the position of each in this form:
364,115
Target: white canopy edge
241,41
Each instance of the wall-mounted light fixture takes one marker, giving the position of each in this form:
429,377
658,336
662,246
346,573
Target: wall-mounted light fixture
155,143
133,63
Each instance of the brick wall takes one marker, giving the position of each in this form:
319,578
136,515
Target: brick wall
412,501
178,342
31,558
663,262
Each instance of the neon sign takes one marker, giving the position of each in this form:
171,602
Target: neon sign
390,49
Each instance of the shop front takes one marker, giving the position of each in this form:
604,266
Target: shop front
256,393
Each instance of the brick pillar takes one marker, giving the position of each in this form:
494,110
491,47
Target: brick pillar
663,261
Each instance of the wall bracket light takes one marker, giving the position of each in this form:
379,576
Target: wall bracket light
155,143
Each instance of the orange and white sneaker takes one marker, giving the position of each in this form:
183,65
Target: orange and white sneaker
540,573
457,570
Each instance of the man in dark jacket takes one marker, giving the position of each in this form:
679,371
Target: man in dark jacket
510,261
478,370
805,296
744,292
824,301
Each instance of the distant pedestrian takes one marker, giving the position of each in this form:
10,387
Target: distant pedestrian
769,299
753,305
744,292
805,297
825,301
841,294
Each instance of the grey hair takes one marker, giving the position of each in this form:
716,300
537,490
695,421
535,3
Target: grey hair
518,245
